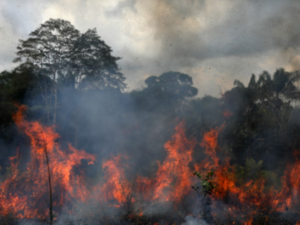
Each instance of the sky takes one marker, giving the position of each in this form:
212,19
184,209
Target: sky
213,41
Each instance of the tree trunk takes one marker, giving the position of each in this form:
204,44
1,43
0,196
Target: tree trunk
45,96
55,99
55,104
50,186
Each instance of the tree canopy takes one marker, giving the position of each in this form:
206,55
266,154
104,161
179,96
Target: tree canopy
59,50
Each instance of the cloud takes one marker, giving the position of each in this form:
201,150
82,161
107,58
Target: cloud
200,30
233,38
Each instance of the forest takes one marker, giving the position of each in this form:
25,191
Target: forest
77,148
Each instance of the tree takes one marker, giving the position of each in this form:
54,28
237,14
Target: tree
261,115
23,86
49,49
165,92
282,86
96,67
58,50
175,85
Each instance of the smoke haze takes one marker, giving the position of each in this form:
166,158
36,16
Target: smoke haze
214,42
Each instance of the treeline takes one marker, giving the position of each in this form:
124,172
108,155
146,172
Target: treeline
72,81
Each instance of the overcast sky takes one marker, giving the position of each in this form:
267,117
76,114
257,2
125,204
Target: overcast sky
214,41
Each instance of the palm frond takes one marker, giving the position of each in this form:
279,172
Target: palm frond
238,84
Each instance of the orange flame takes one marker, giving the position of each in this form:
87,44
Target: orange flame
252,196
24,193
291,185
116,188
173,178
249,222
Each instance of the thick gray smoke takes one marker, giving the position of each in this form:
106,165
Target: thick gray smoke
199,30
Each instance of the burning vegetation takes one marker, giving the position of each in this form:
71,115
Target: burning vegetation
25,192
222,197
75,149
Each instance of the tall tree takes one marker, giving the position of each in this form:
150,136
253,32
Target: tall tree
96,67
49,49
282,85
58,50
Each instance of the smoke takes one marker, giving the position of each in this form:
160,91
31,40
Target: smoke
203,29
187,36
189,220
228,40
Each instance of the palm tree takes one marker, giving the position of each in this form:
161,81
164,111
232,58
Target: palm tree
279,89
282,86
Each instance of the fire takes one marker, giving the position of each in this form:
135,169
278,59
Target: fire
244,197
116,188
251,197
210,144
173,177
291,185
24,193
249,222
171,182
